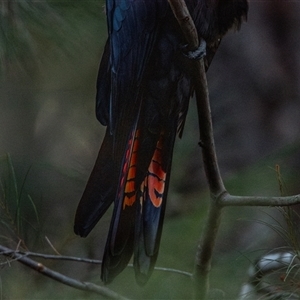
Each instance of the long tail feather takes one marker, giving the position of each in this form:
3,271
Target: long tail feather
150,213
120,240
99,192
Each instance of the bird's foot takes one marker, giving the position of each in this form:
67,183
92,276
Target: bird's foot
194,54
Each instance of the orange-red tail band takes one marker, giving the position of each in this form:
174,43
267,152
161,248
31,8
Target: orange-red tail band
154,183
129,171
156,176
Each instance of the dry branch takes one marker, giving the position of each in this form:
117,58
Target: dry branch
37,266
83,260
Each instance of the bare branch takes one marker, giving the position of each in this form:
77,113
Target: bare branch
86,286
82,260
171,270
186,22
59,257
231,200
202,97
216,186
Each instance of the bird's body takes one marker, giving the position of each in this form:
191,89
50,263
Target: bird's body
143,92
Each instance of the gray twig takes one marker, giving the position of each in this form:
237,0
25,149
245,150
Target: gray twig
82,260
37,266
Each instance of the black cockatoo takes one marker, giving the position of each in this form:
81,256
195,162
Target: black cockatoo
143,92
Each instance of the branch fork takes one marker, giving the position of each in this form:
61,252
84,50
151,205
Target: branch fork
219,196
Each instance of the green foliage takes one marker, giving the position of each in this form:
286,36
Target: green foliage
29,28
13,203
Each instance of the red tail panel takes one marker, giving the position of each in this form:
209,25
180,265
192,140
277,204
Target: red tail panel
129,171
156,176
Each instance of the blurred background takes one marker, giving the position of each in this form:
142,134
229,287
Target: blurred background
49,55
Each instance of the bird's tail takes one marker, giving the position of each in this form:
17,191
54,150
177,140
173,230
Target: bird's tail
132,170
136,225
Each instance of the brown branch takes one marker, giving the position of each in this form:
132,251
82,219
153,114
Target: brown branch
85,286
216,186
202,97
186,22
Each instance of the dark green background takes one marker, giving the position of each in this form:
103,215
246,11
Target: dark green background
49,54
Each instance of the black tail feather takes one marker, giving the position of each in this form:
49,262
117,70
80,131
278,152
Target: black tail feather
99,192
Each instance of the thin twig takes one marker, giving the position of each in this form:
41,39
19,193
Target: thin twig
170,270
51,245
83,260
86,286
57,257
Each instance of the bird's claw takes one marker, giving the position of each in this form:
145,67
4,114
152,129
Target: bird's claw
197,54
